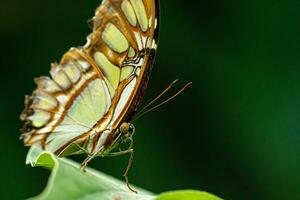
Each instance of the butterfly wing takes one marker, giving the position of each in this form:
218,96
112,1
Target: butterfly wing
95,87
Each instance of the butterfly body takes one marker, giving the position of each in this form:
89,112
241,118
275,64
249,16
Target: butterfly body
93,92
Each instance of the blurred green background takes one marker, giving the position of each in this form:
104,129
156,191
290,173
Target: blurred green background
235,133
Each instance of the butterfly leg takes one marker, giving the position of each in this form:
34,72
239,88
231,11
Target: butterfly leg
85,163
130,151
89,158
120,153
127,171
83,149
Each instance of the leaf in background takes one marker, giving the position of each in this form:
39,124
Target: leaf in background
187,195
67,181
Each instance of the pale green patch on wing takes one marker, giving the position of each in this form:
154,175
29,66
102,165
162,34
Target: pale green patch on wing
72,72
114,38
141,14
129,12
60,140
39,118
131,52
64,133
126,72
46,84
87,109
112,91
43,101
111,71
91,104
82,65
60,77
100,97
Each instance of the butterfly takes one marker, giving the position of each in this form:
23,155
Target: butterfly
87,102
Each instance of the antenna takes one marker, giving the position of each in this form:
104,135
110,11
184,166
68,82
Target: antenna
145,110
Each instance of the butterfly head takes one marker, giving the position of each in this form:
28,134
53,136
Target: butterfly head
127,130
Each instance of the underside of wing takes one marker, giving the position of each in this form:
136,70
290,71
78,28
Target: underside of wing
95,87
65,105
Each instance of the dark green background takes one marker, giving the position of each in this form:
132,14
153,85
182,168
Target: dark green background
235,133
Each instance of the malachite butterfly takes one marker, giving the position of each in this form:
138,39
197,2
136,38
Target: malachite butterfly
87,102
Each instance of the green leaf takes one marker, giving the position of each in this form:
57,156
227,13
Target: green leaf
67,181
187,195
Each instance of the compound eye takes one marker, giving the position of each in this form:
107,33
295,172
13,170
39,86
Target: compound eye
124,128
